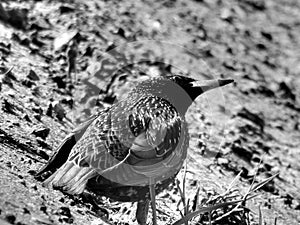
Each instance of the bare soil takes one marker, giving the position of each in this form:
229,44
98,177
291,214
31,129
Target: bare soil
252,124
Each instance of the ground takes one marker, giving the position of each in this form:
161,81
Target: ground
251,126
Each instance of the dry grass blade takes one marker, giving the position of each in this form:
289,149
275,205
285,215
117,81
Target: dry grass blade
186,205
244,198
226,200
262,183
254,178
236,208
231,185
259,216
196,199
8,71
205,210
182,194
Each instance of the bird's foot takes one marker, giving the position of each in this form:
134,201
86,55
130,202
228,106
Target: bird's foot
90,199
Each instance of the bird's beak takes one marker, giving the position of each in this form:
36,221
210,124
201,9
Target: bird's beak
211,84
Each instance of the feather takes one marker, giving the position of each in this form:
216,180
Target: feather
70,178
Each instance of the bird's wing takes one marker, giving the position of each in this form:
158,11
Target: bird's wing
88,157
63,150
129,137
107,140
157,146
159,151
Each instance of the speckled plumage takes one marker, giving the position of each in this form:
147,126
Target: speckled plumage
139,141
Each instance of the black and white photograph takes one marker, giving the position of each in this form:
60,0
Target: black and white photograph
140,112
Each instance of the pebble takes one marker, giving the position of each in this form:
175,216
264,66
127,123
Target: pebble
42,132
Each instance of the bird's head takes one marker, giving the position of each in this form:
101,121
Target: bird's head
194,88
179,90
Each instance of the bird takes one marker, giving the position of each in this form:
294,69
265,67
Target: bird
133,149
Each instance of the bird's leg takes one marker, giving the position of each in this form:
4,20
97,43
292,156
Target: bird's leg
89,198
142,211
71,57
153,203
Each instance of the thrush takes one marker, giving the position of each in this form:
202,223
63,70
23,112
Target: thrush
132,150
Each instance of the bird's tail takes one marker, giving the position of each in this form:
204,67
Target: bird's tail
58,158
62,153
71,178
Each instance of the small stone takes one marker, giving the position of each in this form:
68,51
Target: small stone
43,154
49,110
120,31
241,151
37,110
60,81
64,211
33,76
267,35
6,80
37,116
10,218
31,172
286,91
41,132
26,117
66,9
8,107
59,110
223,161
43,208
26,211
251,116
43,144
68,101
28,83
65,214
110,46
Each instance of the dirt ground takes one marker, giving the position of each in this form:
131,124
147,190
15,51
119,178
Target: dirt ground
110,45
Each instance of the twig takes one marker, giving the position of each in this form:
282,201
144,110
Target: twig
259,216
205,210
8,71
